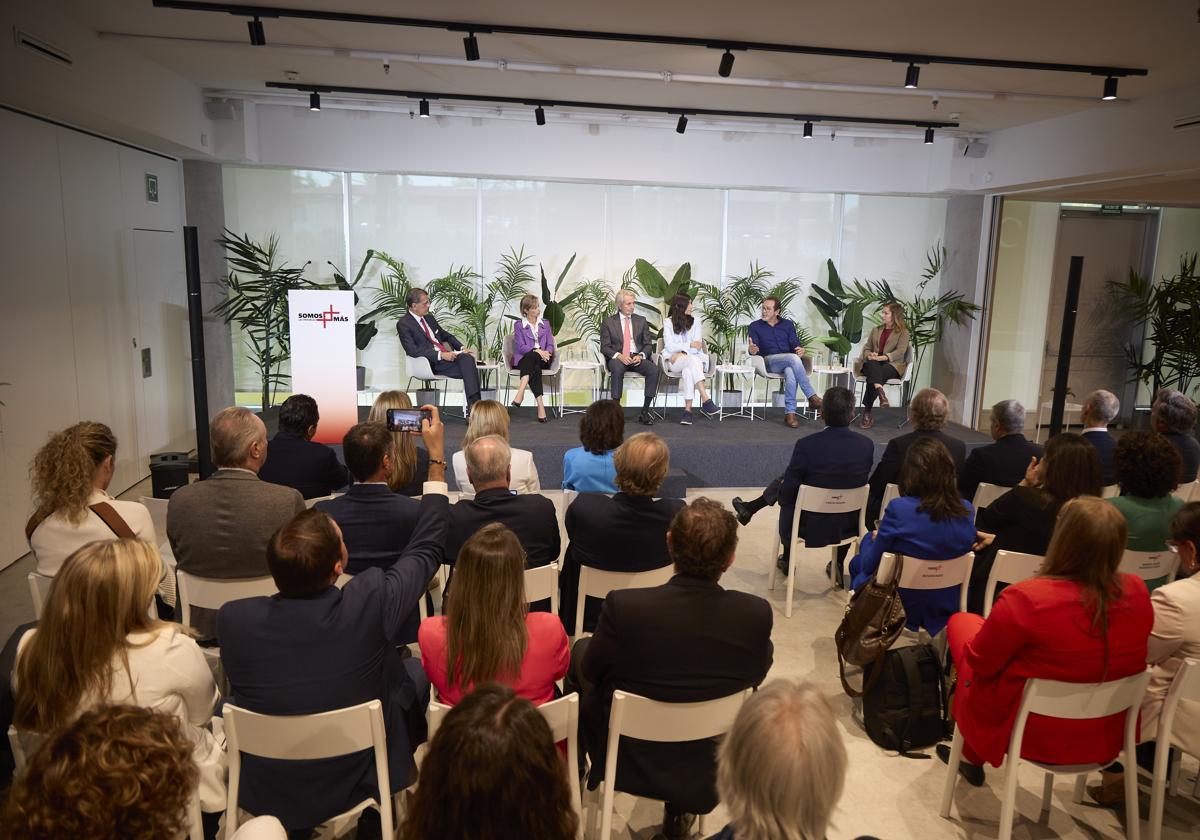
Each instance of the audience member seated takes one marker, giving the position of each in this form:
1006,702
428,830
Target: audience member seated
376,524
492,773
315,648
116,771
411,465
531,517
70,475
624,533
835,458
1079,621
219,527
928,521
1148,468
1099,409
1023,518
1174,417
294,459
589,468
95,644
685,641
488,417
487,635
1005,461
928,412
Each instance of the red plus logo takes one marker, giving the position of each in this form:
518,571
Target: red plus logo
327,317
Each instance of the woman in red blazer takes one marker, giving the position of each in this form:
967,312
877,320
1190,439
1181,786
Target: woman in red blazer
1078,621
487,634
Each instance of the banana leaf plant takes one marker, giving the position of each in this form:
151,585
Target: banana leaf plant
364,328
841,312
555,311
654,285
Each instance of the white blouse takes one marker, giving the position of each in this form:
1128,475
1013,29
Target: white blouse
534,330
674,342
56,539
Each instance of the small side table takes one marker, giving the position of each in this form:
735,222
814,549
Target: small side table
829,371
746,374
580,364
485,375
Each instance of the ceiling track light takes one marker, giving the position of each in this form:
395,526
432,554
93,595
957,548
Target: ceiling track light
471,47
258,36
808,130
423,108
929,137
912,76
1110,89
681,126
314,101
726,65
539,115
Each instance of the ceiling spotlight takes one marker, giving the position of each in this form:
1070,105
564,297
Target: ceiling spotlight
928,136
258,37
539,115
726,65
807,130
1110,89
423,109
471,46
314,101
912,76
681,126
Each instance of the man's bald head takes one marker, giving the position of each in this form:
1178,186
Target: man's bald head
488,462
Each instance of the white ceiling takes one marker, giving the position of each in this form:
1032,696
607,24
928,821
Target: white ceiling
213,51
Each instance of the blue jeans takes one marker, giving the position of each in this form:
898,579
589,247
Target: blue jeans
792,368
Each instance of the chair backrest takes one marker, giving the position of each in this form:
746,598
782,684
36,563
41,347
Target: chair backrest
507,351
1189,492
18,749
891,492
640,717
39,590
1110,491
310,503
908,360
1009,567
299,737
158,514
418,368
760,368
541,582
598,583
986,493
930,574
212,594
824,500
1185,686
1150,566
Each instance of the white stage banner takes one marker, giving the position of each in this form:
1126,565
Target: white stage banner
323,357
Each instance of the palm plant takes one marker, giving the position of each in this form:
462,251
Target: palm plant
391,299
588,305
257,301
727,310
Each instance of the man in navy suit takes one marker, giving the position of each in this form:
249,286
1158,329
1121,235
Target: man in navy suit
1099,409
294,460
1005,461
376,524
315,648
835,458
420,335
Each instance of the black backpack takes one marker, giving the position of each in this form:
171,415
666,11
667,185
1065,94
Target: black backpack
906,708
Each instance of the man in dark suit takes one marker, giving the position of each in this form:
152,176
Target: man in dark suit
624,533
835,458
686,641
294,460
1005,461
420,335
1099,409
1174,417
626,345
928,412
219,527
315,648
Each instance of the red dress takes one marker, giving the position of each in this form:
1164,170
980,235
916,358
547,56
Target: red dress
1040,628
546,658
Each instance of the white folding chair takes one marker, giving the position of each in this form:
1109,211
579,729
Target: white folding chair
1070,701
894,382
598,583
1008,568
890,493
986,493
39,591
634,716
541,582
548,376
818,500
760,372
158,514
418,368
930,574
1189,492
1110,491
1154,567
311,503
299,737
1185,686
667,378
212,594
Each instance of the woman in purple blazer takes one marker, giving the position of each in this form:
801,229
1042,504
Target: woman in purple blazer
533,348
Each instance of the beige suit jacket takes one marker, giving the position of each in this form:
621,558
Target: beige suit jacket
1175,637
897,350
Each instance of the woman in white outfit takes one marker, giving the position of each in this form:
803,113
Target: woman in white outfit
684,355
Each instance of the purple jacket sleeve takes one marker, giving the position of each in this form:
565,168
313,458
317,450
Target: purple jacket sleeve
522,340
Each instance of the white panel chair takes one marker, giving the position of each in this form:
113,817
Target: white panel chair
299,737
1008,568
39,590
890,493
1111,491
930,574
158,514
311,503
418,368
900,383
541,582
667,379
212,594
1154,567
1070,701
598,583
549,376
1185,686
818,500
986,493
634,716
1189,492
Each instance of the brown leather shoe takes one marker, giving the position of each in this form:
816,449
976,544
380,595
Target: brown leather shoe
883,400
790,420
867,422
814,403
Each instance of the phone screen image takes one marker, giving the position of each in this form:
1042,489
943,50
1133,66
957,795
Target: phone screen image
404,419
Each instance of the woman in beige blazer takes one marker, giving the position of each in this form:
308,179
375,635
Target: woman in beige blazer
884,356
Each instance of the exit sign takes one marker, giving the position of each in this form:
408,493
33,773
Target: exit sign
151,188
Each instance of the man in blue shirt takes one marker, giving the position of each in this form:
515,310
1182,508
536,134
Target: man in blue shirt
775,339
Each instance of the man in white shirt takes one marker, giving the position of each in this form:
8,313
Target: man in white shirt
421,335
626,345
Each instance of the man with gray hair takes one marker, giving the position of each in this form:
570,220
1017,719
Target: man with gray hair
626,344
422,336
220,527
1099,409
1174,417
1005,461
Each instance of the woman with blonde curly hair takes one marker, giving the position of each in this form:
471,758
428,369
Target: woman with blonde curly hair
412,462
96,644
116,771
70,476
488,417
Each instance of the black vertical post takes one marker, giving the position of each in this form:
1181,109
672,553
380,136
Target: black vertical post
191,258
1070,309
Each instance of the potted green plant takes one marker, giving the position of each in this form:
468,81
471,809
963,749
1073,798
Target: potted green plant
588,305
555,311
653,285
365,328
841,312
